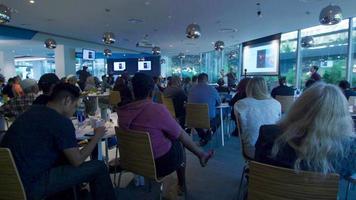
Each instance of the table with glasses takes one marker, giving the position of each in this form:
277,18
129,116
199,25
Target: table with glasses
85,131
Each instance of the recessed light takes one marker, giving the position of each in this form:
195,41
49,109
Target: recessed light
31,1
147,3
170,17
228,30
171,45
135,21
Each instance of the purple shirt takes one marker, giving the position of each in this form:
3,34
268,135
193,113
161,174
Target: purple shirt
153,118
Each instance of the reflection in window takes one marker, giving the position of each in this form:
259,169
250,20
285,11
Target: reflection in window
329,52
95,68
34,67
288,56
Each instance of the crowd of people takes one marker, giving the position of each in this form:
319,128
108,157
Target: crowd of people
43,141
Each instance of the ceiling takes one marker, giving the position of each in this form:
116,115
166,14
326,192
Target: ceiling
165,20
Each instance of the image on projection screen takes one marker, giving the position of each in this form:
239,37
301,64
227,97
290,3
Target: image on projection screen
261,58
119,66
144,65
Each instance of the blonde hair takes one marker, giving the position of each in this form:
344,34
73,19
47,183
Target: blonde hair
257,88
317,127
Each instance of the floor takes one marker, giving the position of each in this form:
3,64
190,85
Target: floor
217,181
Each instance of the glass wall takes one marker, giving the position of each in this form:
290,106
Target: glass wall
96,68
353,64
288,56
32,68
329,52
218,63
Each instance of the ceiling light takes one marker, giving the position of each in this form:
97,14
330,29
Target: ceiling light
135,21
156,51
193,31
27,59
219,45
228,30
330,15
109,38
5,14
32,1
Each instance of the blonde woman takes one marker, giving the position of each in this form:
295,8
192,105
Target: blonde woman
257,109
316,134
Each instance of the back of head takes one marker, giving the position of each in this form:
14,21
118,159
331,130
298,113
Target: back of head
316,68
282,80
187,80
221,82
175,81
241,87
194,79
64,90
309,83
257,88
47,82
72,79
203,78
142,85
344,84
29,86
317,126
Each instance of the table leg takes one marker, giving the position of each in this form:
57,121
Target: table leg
222,127
100,150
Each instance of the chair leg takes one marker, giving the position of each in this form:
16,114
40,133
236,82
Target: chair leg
241,182
119,182
348,188
117,149
75,192
160,191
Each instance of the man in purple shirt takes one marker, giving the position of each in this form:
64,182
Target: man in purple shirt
166,134
314,73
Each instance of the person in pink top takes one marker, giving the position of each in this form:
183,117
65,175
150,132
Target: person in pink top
166,135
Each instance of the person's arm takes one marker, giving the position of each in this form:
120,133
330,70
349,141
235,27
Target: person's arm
76,157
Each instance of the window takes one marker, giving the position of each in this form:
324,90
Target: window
329,52
32,68
288,56
353,64
96,67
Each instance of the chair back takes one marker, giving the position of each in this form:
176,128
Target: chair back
197,116
10,185
136,153
269,182
286,102
352,100
114,98
168,102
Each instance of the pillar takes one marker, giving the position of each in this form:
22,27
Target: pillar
7,64
64,60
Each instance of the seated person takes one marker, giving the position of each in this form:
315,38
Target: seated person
345,87
166,135
43,143
282,89
46,84
240,94
315,135
205,94
125,92
257,109
16,87
7,90
221,88
72,79
18,105
175,92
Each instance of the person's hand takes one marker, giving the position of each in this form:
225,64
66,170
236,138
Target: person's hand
100,131
204,157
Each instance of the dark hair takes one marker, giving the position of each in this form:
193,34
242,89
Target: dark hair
47,81
315,67
344,84
309,83
194,78
63,90
221,81
142,85
155,79
282,80
202,77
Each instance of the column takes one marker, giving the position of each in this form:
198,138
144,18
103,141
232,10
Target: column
64,60
7,64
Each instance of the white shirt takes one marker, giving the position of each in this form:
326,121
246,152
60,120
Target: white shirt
253,114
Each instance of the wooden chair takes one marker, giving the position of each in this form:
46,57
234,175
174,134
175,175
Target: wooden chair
269,182
11,187
168,102
286,102
197,116
136,154
114,98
